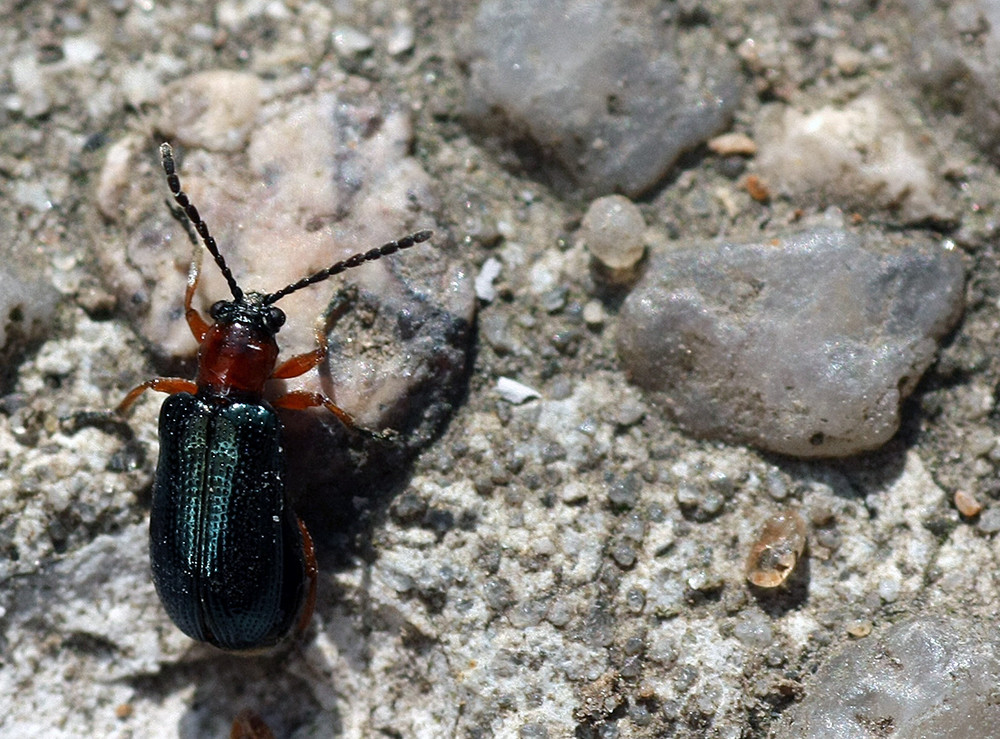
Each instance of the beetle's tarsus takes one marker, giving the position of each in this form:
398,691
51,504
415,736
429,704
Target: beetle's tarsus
108,421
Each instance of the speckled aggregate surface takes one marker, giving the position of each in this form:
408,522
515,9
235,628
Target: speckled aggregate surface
547,556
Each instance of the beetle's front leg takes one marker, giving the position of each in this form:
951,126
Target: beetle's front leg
169,385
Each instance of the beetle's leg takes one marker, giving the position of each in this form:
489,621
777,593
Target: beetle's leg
299,400
302,363
169,385
249,725
312,573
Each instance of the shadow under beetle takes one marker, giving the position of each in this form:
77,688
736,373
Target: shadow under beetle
232,563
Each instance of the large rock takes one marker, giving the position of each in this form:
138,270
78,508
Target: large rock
608,97
803,345
920,678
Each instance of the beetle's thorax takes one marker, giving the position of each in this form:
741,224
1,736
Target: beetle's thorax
239,352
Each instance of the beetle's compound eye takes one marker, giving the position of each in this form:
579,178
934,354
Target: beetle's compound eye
275,318
217,310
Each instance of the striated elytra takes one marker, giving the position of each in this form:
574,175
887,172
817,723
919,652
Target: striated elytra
232,563
227,554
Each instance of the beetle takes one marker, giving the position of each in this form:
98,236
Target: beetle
232,563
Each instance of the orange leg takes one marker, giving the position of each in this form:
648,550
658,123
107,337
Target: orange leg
302,363
169,385
299,400
299,364
312,573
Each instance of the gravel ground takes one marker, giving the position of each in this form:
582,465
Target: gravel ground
545,549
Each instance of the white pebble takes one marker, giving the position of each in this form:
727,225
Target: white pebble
484,280
515,392
350,41
400,39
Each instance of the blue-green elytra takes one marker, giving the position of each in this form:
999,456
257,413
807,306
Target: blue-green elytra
232,563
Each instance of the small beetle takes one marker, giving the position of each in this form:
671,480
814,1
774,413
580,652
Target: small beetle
232,563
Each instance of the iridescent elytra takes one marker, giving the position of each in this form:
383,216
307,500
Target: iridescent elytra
232,563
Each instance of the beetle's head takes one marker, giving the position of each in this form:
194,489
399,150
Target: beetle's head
251,310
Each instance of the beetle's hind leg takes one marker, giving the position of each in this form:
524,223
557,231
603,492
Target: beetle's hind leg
312,574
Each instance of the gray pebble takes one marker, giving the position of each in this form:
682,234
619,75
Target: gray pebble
803,345
989,521
612,98
624,554
941,42
533,731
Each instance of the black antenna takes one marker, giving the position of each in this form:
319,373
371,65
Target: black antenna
174,183
357,260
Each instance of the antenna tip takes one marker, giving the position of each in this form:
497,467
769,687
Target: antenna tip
421,236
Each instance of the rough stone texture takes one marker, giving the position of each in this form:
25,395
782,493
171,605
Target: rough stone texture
572,566
324,176
27,308
803,345
861,156
609,98
920,678
956,60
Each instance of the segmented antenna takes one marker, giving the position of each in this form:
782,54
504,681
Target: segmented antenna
357,260
174,183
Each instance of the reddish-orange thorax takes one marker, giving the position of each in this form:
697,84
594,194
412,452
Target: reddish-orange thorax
236,358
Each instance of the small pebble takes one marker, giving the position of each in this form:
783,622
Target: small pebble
776,486
515,392
350,41
967,504
848,60
623,554
400,39
754,630
989,521
484,280
559,613
593,314
888,589
757,188
635,600
729,144
613,231
859,628
777,549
